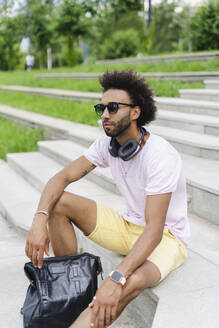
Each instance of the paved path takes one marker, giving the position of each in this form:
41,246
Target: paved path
13,283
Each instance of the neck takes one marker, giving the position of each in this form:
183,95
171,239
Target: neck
132,133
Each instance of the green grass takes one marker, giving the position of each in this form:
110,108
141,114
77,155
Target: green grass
16,138
173,66
81,112
164,88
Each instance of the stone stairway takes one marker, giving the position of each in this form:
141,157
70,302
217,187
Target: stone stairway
195,135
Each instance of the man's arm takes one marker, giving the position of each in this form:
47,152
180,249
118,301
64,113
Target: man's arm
155,216
56,185
38,241
107,297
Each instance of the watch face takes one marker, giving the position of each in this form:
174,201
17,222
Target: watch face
116,276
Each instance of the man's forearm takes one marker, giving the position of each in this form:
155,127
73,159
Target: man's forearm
142,248
51,193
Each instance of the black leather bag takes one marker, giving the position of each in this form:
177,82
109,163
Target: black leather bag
60,291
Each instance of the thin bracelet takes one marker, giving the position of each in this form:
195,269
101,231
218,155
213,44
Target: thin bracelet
42,212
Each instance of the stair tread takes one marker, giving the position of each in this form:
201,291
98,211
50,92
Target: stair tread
189,117
201,91
20,200
201,171
188,102
187,137
41,168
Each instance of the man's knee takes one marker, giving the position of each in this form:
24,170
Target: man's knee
146,276
59,206
135,284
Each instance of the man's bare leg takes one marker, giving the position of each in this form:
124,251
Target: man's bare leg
70,208
148,275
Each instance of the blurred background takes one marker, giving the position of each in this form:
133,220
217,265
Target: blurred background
69,32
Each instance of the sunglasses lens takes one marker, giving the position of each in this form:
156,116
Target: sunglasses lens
99,109
113,107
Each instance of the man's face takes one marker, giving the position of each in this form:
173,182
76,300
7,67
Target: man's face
115,124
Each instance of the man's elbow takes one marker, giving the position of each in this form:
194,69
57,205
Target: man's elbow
155,232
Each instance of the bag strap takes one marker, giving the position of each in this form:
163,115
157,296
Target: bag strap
43,286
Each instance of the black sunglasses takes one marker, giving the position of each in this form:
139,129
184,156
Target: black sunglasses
111,106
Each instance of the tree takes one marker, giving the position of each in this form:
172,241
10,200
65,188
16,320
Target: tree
205,27
165,28
39,27
116,16
9,39
72,24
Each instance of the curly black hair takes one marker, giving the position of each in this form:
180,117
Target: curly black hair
138,90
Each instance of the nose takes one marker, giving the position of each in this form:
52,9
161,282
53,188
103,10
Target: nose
105,114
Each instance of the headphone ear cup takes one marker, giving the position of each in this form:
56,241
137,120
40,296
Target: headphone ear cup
128,150
114,147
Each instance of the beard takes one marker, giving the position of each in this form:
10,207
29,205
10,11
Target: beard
118,127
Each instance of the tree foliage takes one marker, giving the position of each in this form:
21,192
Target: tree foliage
205,27
72,24
165,29
9,40
105,28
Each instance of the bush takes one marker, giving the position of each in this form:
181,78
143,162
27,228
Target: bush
122,44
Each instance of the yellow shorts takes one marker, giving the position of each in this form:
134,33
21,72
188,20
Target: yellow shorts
118,235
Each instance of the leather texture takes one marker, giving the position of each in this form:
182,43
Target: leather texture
59,291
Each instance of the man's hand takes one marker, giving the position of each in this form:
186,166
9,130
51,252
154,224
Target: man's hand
37,241
105,304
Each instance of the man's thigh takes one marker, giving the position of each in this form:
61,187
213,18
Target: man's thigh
111,231
80,210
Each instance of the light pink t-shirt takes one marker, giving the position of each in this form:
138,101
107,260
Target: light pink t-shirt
156,169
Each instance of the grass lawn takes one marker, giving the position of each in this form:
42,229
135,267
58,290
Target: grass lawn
173,66
16,138
162,88
81,112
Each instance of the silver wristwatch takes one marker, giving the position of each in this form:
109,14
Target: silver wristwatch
118,277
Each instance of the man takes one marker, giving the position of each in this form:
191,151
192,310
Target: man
29,62
153,231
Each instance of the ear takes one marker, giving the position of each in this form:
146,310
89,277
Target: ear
136,112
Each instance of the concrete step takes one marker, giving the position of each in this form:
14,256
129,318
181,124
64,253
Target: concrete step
56,93
150,309
163,58
202,176
12,259
200,94
188,106
212,84
18,199
37,169
191,122
65,151
191,143
185,76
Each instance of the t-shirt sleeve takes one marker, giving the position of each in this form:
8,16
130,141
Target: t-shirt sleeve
163,173
97,153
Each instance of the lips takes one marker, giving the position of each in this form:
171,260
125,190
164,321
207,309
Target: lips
107,124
